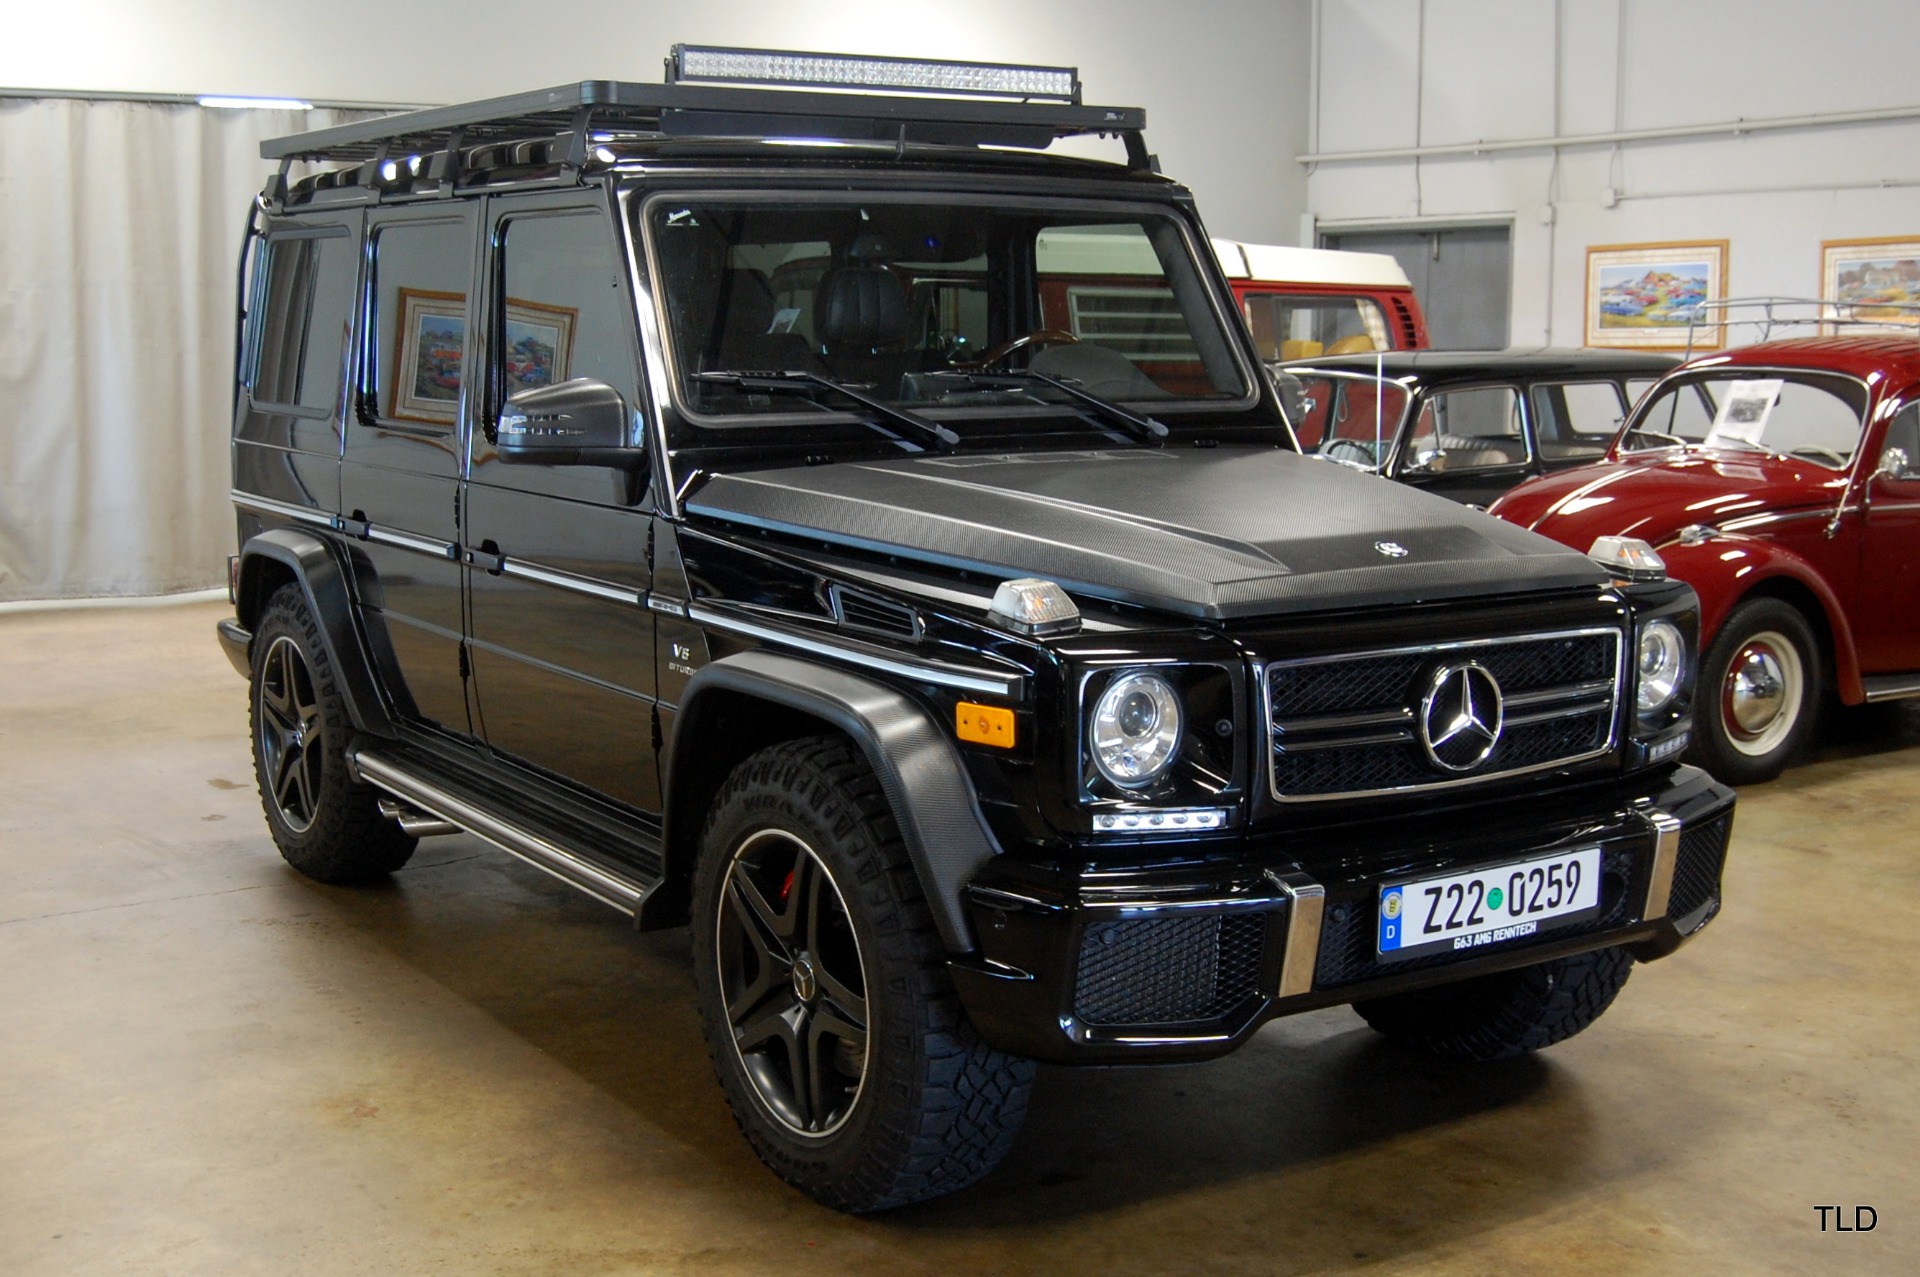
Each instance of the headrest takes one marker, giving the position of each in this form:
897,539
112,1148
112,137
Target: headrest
860,306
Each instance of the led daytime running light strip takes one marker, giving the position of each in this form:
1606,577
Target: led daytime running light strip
828,70
1159,822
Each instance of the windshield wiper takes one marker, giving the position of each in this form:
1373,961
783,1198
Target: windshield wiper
1144,429
931,433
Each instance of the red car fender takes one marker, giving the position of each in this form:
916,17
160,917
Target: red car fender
1726,568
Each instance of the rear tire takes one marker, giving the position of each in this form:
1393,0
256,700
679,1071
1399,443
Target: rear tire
829,1013
1508,1013
326,824
1758,693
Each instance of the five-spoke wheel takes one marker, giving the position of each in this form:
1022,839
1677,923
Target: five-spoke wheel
796,993
291,735
824,988
325,823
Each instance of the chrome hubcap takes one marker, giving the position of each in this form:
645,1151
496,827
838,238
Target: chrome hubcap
291,742
794,983
1761,695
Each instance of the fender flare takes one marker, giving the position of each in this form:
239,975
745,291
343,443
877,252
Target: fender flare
919,769
316,565
1713,579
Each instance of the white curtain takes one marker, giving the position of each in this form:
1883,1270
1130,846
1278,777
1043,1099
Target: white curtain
120,226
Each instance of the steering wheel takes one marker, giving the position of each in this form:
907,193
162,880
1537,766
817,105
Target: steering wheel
1348,452
1038,337
1814,452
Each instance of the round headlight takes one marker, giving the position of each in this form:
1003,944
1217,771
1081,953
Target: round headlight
1135,729
1663,665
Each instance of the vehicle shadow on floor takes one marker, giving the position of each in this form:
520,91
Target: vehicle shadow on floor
1859,731
1314,1125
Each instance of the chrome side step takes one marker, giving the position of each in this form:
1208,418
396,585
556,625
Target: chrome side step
537,850
1890,687
414,822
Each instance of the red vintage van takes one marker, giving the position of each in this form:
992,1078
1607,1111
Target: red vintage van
1302,303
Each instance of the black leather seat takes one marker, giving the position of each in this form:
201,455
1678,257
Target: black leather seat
860,316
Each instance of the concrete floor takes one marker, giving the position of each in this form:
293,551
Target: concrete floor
211,1065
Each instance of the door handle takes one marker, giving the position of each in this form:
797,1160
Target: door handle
487,555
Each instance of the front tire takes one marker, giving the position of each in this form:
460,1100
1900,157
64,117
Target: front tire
1508,1013
326,824
833,1024
1757,696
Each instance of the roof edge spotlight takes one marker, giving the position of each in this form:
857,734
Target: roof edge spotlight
703,63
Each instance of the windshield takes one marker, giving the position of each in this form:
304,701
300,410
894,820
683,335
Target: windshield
914,301
1811,416
1294,327
1348,418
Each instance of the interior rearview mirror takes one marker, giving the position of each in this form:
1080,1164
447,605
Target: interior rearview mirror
582,422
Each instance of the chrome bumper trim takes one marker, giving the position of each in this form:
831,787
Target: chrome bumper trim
1307,903
1666,852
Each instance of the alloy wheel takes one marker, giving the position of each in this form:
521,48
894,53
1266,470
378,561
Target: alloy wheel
292,747
793,982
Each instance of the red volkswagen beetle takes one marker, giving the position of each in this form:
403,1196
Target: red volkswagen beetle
1781,481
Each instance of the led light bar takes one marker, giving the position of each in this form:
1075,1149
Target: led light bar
224,103
852,71
1159,822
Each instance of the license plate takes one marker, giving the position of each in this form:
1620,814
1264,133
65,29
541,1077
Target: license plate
1487,906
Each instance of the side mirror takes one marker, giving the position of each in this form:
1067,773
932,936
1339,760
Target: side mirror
1428,461
1893,465
582,422
1293,395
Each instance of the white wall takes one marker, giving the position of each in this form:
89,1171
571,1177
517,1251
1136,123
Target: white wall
1401,73
1223,81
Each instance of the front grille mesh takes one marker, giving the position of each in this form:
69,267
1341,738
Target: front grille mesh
1696,870
1168,970
1560,698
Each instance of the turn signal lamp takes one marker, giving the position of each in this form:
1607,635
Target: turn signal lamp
983,724
1628,558
845,71
1033,606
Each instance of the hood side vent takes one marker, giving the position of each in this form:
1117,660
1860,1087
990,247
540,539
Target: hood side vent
855,611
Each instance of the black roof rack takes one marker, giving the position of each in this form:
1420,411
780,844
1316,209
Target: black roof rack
591,109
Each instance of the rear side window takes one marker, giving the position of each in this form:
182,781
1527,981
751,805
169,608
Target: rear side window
301,339
1469,430
1576,418
1306,327
420,277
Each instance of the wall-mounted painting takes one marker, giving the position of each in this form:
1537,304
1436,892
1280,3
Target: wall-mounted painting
1879,279
1647,296
539,346
430,342
429,339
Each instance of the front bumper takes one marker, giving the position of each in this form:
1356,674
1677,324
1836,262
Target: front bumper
1182,951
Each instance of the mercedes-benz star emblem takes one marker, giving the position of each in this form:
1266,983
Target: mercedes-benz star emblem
1461,716
1392,549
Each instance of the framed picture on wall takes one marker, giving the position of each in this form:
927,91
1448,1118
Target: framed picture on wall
1875,278
1647,296
430,337
539,344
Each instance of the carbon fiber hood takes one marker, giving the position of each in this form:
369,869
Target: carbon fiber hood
1219,533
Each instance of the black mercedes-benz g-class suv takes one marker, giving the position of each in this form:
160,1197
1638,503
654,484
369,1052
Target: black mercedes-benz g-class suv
857,524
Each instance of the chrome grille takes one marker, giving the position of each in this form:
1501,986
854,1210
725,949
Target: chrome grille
1349,725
